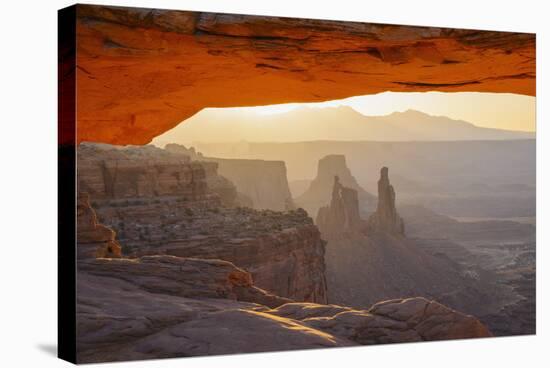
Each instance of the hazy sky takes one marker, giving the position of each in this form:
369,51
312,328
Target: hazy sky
490,110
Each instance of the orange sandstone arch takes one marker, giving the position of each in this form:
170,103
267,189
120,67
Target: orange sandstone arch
140,72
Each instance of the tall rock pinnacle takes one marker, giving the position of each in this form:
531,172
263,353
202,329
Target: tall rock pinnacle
386,219
319,192
342,215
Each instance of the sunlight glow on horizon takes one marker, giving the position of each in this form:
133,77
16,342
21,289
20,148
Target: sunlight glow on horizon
490,110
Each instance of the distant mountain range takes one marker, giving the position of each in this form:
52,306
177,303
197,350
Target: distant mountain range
329,123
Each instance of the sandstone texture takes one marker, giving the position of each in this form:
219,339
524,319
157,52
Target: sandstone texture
263,182
163,202
186,277
283,251
386,219
225,188
321,188
188,299
163,306
342,215
390,321
112,172
260,184
117,172
93,239
140,72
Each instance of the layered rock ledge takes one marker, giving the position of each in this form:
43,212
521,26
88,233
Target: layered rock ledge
162,306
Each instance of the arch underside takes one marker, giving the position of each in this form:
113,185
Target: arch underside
141,72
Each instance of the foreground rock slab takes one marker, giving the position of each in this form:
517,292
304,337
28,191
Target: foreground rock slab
163,306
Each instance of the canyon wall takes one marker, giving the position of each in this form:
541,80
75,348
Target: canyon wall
289,263
161,202
373,260
260,184
110,172
319,192
283,251
263,182
116,172
223,187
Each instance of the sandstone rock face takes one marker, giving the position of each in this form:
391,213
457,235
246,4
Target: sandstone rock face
342,215
93,239
289,263
185,277
320,191
122,173
181,149
386,219
259,184
161,306
263,182
391,321
156,307
223,187
283,251
140,72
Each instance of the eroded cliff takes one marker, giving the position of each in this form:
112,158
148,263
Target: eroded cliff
260,184
283,251
158,306
93,239
373,260
321,187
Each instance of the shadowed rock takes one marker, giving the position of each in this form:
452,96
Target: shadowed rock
93,239
161,306
320,190
386,219
391,321
186,277
342,215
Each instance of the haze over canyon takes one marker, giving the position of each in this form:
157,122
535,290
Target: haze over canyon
213,218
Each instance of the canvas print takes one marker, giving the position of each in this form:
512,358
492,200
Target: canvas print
242,183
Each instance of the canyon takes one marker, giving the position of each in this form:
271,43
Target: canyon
502,249
160,202
377,249
155,235
181,253
485,179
